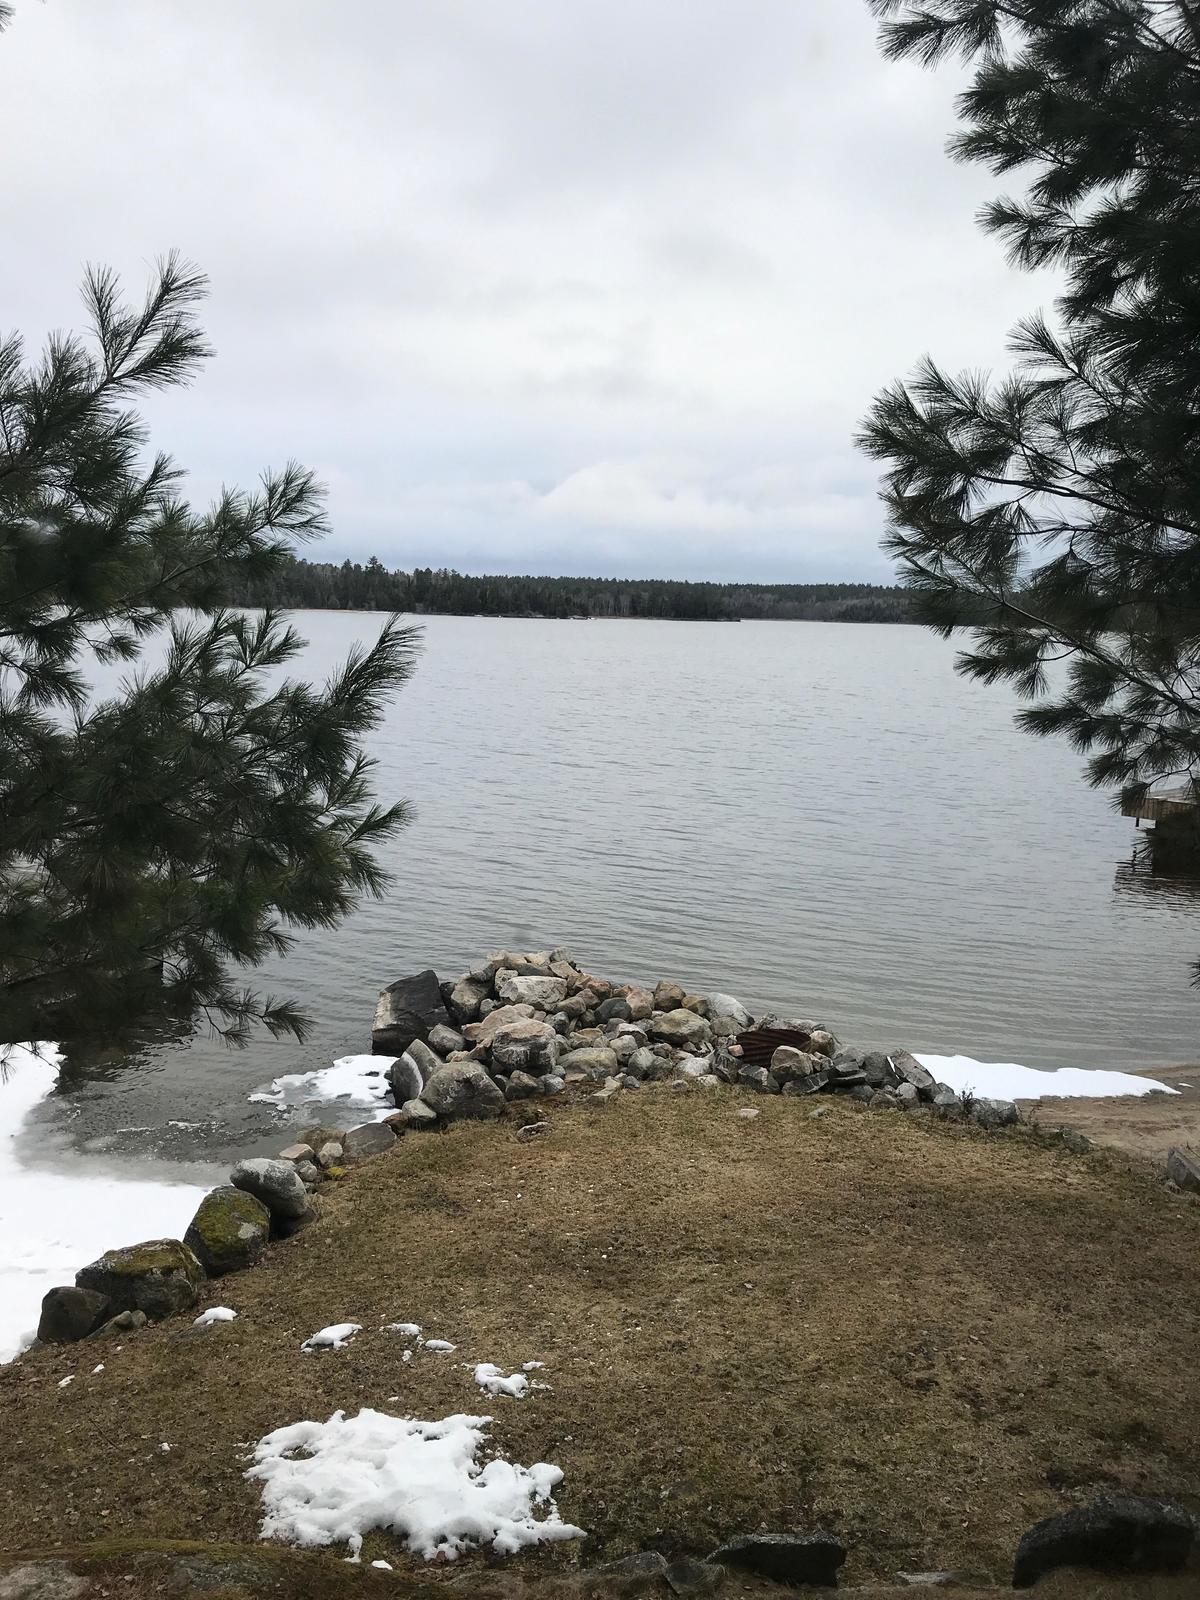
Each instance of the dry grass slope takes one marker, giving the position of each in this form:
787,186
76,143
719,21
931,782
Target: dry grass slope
916,1334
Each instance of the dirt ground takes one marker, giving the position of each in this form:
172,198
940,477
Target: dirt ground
916,1334
1142,1125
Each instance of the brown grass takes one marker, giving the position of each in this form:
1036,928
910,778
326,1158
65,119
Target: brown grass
916,1334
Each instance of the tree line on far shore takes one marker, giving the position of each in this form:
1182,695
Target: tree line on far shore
353,586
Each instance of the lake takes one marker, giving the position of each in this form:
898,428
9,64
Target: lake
820,818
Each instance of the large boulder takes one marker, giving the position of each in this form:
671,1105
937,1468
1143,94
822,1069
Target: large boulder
462,1089
525,1046
405,1077
466,997
1183,1169
406,1010
69,1314
593,1061
229,1231
545,993
481,1032
909,1070
158,1277
727,1015
368,1139
785,1557
684,1029
280,1188
1116,1533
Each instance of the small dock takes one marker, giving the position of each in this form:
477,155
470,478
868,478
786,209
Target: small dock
1174,837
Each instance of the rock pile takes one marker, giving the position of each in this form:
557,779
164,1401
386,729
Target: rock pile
521,1025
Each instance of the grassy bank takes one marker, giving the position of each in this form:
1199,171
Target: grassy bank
919,1335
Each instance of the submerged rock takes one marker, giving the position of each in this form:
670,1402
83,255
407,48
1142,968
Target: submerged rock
157,1277
229,1231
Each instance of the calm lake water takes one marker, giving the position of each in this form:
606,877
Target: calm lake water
821,818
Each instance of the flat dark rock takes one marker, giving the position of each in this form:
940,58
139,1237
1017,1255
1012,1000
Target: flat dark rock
1116,1533
407,1010
785,1557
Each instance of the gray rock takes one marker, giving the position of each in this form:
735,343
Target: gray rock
910,1070
296,1153
462,1089
466,997
445,1041
615,1010
668,996
545,993
123,1322
861,1092
522,1086
727,1014
640,1002
308,1172
43,1580
634,1031
419,1115
823,1043
853,1059
276,1184
530,1130
230,1230
560,1022
812,1084
368,1139
689,1578
157,1277
1182,1167
594,1061
407,1010
427,1061
630,1576
945,1100
552,1083
681,1028
527,1045
623,1047
907,1096
760,1079
330,1154
785,1557
787,1063
70,1313
406,1078
1116,1533
846,1077
877,1068
884,1100
993,1113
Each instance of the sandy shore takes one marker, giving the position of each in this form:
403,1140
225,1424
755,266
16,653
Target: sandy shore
1144,1125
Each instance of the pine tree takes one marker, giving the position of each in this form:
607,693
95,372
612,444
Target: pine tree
1056,509
154,840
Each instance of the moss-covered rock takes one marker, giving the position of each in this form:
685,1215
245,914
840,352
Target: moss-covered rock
229,1231
158,1277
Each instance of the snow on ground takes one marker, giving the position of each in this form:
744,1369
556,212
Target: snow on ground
421,1481
54,1220
214,1314
1004,1080
490,1378
335,1337
353,1080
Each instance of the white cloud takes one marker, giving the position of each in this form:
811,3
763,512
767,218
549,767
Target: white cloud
570,285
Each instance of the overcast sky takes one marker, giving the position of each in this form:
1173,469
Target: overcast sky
590,286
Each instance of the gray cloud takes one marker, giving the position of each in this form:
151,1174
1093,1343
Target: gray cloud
592,287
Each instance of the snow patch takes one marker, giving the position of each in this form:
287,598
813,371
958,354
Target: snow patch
490,1378
1005,1080
53,1222
442,1346
352,1080
336,1337
214,1314
333,1482
403,1330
